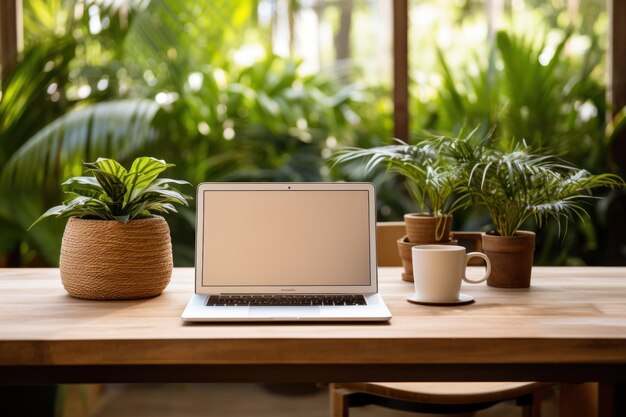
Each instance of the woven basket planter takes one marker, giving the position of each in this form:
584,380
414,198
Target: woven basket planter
110,260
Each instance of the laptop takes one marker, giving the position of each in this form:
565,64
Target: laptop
286,252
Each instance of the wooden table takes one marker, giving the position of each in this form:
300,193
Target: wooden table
569,326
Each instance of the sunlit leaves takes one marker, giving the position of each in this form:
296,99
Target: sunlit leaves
431,179
103,128
117,194
518,184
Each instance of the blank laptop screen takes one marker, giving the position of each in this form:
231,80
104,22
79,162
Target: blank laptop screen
285,238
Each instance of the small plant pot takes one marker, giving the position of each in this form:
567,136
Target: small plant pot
511,259
422,229
110,260
404,249
473,242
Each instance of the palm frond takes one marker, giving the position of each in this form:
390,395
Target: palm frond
117,129
517,185
432,177
26,88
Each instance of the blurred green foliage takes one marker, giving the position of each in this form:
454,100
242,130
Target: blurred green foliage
159,78
195,83
544,85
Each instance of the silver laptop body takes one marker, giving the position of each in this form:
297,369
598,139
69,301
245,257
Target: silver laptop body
285,240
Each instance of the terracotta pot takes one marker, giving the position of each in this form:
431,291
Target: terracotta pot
404,249
110,260
511,259
422,228
473,242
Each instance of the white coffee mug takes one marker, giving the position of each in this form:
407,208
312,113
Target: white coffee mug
438,271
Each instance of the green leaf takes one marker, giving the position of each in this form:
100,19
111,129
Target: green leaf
76,206
53,211
112,185
87,186
123,218
111,167
143,172
166,181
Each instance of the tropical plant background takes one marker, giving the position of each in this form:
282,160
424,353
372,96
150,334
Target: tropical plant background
246,90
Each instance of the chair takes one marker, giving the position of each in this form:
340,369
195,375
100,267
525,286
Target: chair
436,397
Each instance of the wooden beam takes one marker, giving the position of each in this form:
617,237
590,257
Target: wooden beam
401,69
616,88
342,38
10,34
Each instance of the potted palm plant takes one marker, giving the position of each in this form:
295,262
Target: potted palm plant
432,181
115,244
517,185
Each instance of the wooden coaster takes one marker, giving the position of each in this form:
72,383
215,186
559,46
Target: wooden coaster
463,299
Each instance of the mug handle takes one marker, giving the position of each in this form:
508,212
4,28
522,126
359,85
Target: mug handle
477,255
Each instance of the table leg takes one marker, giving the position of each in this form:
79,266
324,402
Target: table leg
612,400
579,400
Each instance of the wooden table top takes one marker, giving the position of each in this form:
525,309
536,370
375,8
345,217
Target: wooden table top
569,319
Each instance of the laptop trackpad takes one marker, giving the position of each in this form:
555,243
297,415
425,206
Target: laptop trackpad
286,311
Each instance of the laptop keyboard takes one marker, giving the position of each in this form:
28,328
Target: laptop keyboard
286,300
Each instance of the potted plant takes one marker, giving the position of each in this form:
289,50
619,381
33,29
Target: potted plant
432,182
517,185
116,245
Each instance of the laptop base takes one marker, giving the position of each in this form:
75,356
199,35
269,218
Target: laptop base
198,311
